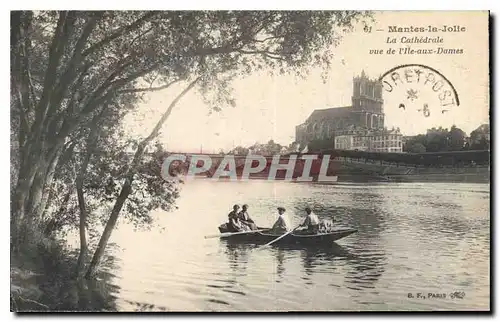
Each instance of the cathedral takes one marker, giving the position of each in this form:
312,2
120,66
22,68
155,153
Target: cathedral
365,113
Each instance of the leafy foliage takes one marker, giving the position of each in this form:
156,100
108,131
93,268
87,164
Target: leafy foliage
42,279
317,145
417,147
76,74
269,148
441,140
480,138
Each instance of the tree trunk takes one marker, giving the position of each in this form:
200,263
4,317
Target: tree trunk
32,147
47,199
15,26
20,199
36,193
91,144
110,225
43,180
48,203
46,185
62,209
127,186
82,224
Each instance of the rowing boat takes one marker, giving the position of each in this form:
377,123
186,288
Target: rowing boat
298,237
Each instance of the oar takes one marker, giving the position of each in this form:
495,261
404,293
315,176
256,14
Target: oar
275,240
237,233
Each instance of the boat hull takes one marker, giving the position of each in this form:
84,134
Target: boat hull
293,238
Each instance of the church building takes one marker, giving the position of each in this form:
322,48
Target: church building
365,113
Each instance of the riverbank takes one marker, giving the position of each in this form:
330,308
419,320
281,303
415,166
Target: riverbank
43,278
442,178
371,172
431,177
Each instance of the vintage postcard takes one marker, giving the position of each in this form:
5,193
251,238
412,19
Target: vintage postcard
250,161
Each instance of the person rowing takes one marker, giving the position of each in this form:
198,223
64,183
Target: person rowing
245,219
282,224
311,223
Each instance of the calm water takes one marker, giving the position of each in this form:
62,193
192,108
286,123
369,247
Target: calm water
411,238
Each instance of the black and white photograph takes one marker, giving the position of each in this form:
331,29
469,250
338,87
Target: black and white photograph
250,161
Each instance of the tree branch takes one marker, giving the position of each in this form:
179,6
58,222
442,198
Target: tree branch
139,36
167,113
120,32
59,41
149,89
266,39
32,301
54,118
112,89
262,52
108,82
67,77
127,186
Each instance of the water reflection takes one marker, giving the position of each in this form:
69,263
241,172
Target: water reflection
369,263
365,259
237,255
321,259
407,239
280,268
365,269
365,197
364,265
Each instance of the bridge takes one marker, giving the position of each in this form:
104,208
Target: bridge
376,164
427,159
466,166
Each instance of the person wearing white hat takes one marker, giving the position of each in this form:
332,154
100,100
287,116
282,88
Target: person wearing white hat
282,224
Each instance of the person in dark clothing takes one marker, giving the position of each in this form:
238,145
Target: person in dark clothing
234,222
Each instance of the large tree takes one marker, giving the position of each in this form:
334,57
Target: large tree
456,141
74,75
480,138
437,140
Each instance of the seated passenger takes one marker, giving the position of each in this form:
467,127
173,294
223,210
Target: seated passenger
245,219
234,223
282,224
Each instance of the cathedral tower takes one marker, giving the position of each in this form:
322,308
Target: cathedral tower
367,101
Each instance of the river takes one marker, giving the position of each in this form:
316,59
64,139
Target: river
412,238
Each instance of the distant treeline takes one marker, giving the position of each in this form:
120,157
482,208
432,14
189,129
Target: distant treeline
450,158
435,140
454,139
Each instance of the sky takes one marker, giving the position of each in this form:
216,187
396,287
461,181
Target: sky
270,107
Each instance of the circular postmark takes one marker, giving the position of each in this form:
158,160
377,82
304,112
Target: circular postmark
421,87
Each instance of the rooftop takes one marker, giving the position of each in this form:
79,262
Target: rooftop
329,113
